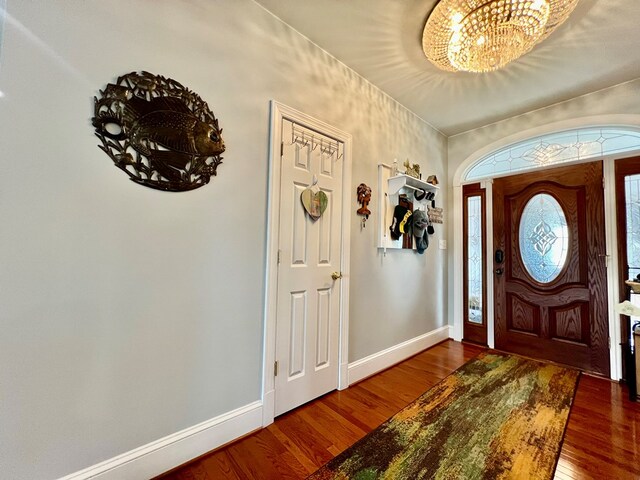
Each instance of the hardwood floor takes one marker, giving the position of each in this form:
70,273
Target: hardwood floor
602,439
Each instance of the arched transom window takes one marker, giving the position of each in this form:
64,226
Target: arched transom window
555,148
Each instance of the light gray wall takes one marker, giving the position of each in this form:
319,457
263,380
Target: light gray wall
611,103
128,314
401,295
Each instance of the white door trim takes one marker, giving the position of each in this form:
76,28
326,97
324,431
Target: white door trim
278,113
615,353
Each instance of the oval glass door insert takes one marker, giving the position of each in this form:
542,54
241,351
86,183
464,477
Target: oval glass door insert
544,238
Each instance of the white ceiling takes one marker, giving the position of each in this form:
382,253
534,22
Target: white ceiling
599,46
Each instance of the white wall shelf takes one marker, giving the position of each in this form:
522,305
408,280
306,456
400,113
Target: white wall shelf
389,188
401,181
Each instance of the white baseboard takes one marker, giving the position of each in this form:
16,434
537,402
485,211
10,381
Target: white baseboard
377,362
166,453
162,455
343,381
455,332
268,407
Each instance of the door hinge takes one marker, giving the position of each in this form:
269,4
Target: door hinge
275,368
609,339
279,256
603,182
281,149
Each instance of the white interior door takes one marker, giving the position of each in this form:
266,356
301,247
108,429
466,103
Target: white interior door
308,298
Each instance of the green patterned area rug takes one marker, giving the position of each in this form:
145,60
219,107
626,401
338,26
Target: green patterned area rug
497,417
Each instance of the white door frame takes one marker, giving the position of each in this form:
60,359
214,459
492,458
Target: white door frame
615,352
278,113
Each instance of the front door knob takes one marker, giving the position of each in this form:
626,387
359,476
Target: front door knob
336,275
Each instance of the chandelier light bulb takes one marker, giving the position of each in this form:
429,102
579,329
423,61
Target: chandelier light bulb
485,35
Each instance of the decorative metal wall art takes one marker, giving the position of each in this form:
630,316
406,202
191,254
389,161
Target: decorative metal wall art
364,197
161,134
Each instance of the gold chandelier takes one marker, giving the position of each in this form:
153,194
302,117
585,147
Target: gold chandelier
485,35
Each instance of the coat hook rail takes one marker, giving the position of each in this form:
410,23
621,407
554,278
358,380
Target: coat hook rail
303,138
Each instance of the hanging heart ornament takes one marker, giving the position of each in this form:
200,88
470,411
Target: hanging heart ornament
314,203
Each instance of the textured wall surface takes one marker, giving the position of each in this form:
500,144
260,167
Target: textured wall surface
127,313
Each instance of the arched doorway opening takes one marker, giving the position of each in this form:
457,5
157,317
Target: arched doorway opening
535,151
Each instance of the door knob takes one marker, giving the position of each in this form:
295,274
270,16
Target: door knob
336,275
499,271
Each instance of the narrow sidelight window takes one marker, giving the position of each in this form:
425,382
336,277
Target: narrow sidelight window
632,207
474,310
627,176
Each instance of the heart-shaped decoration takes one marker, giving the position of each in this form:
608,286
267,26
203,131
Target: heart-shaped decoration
314,203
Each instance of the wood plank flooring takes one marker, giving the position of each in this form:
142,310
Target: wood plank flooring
602,439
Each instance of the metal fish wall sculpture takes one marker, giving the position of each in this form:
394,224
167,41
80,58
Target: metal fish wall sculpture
160,133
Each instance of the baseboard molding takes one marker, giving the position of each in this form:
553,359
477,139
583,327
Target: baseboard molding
162,455
455,332
268,407
377,362
166,453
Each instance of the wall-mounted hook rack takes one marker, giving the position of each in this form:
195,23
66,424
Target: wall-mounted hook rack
390,187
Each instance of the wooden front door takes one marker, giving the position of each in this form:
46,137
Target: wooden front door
550,266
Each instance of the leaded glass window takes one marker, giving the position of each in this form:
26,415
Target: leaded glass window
554,149
543,238
632,201
474,258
